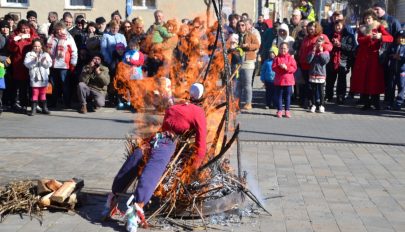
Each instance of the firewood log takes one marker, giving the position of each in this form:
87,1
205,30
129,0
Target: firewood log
64,192
53,184
42,188
46,200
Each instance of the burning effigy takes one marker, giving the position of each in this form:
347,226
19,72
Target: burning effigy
184,189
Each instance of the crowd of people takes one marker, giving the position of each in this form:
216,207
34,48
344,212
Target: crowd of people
68,62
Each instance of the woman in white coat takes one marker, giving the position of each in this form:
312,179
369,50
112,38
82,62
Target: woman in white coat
38,62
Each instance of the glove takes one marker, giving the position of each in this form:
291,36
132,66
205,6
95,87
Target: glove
17,38
71,68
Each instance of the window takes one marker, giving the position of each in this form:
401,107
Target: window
14,3
145,4
78,4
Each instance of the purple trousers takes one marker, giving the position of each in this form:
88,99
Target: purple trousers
159,158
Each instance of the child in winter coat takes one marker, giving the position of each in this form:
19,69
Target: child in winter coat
318,59
38,63
267,77
397,67
284,66
135,58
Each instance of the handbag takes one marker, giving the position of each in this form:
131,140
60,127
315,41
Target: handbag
49,88
383,53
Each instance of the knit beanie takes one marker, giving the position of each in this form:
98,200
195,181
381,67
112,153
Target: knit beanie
380,4
100,20
31,13
4,23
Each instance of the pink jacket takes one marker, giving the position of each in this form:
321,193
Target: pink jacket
284,77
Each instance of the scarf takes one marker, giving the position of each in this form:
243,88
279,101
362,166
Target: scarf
336,52
61,45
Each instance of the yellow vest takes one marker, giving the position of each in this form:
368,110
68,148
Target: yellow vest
311,16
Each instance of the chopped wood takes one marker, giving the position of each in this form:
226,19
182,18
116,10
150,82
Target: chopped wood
53,184
64,191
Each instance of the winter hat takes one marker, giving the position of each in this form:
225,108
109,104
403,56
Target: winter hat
234,38
98,54
296,12
115,13
274,50
4,23
120,47
196,91
100,20
31,13
79,19
380,4
400,33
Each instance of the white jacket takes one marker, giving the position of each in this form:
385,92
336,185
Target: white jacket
38,69
63,51
287,39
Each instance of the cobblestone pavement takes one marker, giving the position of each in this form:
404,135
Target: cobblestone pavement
306,186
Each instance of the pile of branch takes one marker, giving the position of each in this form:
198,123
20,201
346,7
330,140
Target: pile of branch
31,197
19,198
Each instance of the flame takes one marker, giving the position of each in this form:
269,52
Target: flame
151,95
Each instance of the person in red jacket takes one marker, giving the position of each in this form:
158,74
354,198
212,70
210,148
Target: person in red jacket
178,119
314,31
368,74
19,44
284,66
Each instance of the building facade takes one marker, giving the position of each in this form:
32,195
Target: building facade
92,9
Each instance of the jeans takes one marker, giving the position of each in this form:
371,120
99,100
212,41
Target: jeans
84,92
61,86
244,85
270,94
400,82
283,92
339,74
160,156
20,92
317,93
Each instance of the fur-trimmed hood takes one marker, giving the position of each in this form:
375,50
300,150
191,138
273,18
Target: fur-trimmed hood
367,29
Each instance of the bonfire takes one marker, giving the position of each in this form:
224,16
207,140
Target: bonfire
217,186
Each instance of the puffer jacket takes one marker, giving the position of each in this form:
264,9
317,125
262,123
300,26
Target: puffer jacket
38,69
63,51
284,77
287,39
307,46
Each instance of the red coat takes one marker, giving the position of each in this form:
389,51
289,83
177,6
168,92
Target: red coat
368,73
284,77
18,49
307,47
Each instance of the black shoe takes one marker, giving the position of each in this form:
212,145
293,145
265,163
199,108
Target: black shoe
340,101
45,109
377,106
366,107
33,108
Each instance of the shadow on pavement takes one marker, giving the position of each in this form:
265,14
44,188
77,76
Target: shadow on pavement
323,139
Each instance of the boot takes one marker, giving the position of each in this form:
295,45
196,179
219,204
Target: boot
45,109
33,108
83,109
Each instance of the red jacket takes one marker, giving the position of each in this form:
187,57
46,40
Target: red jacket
181,118
18,49
284,77
368,73
307,47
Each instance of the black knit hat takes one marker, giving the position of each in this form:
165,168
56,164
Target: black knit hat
380,4
100,20
4,23
31,13
400,33
115,13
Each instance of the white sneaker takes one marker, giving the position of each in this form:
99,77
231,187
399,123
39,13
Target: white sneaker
132,219
313,108
321,109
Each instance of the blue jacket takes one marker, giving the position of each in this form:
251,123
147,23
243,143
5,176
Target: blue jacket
267,74
397,66
108,43
2,73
